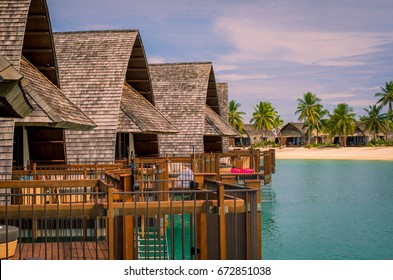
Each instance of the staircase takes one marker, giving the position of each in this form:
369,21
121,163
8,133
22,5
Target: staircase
266,193
151,246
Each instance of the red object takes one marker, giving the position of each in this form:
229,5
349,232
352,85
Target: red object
242,170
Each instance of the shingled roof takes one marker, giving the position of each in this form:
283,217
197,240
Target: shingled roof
25,30
219,126
222,94
13,100
182,91
94,66
141,115
51,106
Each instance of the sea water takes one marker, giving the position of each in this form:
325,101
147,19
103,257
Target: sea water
326,209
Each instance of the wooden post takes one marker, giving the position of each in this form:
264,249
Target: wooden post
110,225
222,226
217,166
96,170
273,159
267,168
255,184
202,236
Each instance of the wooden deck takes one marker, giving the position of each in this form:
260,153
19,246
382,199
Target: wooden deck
62,251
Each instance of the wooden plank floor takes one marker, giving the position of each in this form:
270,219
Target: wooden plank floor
62,251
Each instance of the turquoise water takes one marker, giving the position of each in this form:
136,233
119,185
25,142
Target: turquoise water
325,209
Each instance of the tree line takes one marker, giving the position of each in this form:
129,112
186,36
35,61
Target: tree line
316,119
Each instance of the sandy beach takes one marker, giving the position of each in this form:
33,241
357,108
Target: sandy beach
348,153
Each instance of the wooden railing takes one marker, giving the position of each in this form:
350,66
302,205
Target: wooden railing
47,211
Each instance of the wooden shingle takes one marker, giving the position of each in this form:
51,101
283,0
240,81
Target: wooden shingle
182,91
106,74
220,127
25,30
222,94
147,118
13,17
60,112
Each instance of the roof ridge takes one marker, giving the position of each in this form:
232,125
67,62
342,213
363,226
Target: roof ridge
180,63
98,31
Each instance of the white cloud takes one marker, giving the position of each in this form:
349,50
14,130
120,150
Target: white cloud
155,59
339,95
225,67
243,77
255,40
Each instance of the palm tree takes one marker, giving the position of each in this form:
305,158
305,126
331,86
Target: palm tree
342,121
386,98
278,123
263,118
309,109
374,121
320,125
235,117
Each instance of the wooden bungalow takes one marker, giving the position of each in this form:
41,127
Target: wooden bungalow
182,91
26,42
255,136
359,137
106,74
293,134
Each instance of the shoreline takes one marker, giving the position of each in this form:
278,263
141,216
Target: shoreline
341,153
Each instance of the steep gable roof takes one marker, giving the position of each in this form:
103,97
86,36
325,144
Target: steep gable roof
51,105
293,129
181,91
25,29
220,127
94,66
142,114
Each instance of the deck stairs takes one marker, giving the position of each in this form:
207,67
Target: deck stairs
266,193
151,245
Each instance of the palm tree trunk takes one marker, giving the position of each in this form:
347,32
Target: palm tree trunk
388,122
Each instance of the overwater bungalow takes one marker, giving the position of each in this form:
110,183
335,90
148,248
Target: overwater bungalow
186,93
26,43
83,214
106,74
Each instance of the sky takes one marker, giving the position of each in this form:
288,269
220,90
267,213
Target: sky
265,50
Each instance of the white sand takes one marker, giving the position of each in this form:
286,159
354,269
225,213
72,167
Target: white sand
352,153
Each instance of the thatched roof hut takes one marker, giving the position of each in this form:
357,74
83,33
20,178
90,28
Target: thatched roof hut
182,91
26,42
106,74
293,133
256,135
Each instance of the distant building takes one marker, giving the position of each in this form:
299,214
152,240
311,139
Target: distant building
293,134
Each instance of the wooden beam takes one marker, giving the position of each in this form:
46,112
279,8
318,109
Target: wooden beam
137,58
137,69
37,33
222,224
44,50
138,81
44,211
46,68
17,184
